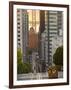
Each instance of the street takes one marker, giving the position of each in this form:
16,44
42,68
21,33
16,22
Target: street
34,76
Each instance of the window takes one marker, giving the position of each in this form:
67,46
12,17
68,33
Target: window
18,31
19,44
18,39
18,15
18,23
18,27
18,19
18,35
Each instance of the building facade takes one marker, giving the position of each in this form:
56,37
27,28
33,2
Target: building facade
22,32
54,26
50,28
34,22
43,40
38,31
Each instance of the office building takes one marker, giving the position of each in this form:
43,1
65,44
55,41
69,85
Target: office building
53,24
43,40
33,39
22,32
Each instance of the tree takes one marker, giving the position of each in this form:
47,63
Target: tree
58,56
21,66
29,52
27,67
19,55
24,68
19,62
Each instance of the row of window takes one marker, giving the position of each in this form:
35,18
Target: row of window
52,25
52,33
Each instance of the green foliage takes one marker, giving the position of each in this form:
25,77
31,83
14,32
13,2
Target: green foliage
27,67
58,56
29,51
19,56
22,67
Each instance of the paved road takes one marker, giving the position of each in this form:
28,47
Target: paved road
32,76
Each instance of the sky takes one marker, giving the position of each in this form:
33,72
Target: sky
34,19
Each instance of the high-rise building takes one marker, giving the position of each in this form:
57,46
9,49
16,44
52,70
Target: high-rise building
41,28
52,21
43,40
52,31
33,39
54,25
44,49
22,32
19,29
34,21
